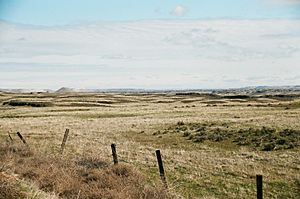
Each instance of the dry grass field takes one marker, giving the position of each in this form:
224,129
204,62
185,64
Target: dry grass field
212,145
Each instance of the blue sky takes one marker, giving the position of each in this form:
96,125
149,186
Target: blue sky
61,12
152,44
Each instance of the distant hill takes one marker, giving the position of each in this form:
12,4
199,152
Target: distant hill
243,90
65,90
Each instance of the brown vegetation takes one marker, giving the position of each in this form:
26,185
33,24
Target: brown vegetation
86,177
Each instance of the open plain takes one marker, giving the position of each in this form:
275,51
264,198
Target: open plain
213,145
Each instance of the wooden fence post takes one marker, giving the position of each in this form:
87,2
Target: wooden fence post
161,168
22,138
64,141
259,186
114,153
10,138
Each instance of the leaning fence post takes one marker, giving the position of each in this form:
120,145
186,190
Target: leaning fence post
22,138
64,140
259,186
161,168
10,138
114,153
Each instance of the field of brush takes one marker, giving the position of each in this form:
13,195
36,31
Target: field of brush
212,146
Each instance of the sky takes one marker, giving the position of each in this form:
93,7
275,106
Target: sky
65,12
154,44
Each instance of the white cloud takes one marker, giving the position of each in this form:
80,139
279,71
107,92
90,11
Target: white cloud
126,54
179,11
284,2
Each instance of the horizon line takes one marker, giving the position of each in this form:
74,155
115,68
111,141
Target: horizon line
153,89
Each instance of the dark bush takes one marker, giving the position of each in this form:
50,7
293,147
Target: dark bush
23,103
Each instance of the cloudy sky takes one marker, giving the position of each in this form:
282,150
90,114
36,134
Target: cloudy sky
155,44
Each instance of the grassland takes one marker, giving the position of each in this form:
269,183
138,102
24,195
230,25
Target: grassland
212,145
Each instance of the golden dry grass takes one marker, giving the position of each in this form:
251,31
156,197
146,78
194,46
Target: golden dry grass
194,170
82,177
